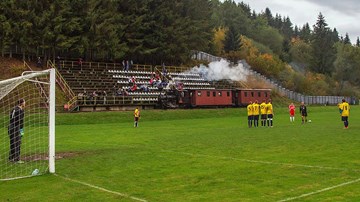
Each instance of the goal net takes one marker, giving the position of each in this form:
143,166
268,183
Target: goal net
27,125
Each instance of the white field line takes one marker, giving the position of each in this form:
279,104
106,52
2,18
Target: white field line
102,189
235,159
319,191
265,162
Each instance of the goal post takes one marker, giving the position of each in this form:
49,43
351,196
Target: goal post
27,125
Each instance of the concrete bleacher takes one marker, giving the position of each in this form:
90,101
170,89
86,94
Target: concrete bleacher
109,77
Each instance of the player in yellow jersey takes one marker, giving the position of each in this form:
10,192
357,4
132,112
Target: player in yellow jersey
136,117
345,112
250,112
263,113
270,114
256,113
340,109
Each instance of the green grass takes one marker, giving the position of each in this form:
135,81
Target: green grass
199,155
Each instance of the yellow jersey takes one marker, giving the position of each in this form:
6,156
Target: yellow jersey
263,108
137,113
250,110
256,109
269,108
345,107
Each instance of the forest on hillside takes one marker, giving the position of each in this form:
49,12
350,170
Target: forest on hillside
157,31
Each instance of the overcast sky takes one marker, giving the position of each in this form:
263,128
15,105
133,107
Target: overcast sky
339,14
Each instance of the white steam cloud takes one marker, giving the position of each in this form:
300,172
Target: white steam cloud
221,70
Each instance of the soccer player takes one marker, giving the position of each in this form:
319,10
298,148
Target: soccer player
136,117
345,112
256,113
250,112
270,113
16,131
263,113
340,110
292,112
303,112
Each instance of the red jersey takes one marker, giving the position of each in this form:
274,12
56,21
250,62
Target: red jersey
292,110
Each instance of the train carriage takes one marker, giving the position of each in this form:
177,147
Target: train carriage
220,97
243,97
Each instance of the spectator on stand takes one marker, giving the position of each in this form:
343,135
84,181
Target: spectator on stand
39,62
104,96
94,97
114,90
127,65
57,61
144,88
80,62
152,81
133,88
164,70
130,64
124,65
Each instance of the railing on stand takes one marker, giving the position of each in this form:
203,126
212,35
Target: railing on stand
40,86
70,95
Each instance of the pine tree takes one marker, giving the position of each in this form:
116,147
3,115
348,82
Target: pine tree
323,47
232,40
305,33
268,15
286,28
347,39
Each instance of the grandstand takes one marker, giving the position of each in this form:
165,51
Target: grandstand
106,86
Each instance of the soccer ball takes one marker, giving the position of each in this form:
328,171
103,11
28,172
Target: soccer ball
309,121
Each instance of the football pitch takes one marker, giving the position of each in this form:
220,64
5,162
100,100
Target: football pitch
199,155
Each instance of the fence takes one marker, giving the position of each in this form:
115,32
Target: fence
323,100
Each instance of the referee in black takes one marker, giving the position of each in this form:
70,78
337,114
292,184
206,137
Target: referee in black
303,112
15,131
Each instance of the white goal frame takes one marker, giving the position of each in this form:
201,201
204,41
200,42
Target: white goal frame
31,77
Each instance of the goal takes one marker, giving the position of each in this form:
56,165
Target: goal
31,152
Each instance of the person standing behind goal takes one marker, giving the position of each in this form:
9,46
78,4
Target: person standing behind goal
136,117
16,131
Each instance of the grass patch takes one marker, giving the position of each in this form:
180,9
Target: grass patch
199,155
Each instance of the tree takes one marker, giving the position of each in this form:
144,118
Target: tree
5,27
323,50
305,33
346,65
232,40
301,52
347,39
287,28
269,17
